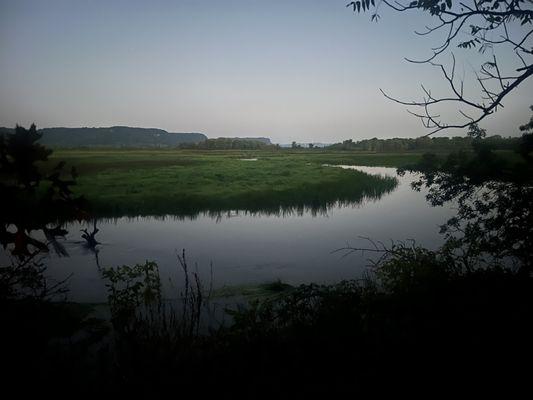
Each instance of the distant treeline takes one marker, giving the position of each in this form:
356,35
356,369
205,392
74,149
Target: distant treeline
231,143
424,143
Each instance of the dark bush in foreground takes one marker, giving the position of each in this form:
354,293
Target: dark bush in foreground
432,328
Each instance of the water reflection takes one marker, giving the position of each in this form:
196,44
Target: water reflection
293,244
301,210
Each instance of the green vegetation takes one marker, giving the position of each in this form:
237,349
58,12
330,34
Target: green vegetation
424,143
158,182
188,182
231,144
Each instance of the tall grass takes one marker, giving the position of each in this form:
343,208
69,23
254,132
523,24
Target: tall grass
183,184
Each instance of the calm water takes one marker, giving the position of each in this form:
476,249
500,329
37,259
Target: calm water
248,249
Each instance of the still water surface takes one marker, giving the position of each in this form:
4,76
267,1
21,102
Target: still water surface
246,248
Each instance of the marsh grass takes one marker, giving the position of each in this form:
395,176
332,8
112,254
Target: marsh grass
131,183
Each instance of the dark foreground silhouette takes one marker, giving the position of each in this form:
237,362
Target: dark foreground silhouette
437,330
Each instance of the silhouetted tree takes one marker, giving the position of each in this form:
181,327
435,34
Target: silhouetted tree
491,25
526,144
34,200
494,197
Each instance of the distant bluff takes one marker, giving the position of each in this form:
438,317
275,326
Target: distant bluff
114,136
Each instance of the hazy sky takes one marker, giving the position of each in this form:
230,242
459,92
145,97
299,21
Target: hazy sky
290,70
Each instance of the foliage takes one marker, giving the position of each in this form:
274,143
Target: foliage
137,305
231,144
129,288
405,268
526,146
414,319
417,320
25,278
35,203
33,200
154,336
476,133
435,144
494,200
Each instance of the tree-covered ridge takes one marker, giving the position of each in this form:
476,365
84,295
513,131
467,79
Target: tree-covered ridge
264,140
222,143
425,143
115,136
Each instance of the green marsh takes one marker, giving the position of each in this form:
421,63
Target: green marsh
185,183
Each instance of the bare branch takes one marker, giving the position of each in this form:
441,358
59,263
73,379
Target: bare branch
486,20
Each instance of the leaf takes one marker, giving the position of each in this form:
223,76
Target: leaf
474,29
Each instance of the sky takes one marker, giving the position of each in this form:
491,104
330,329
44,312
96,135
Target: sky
305,71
